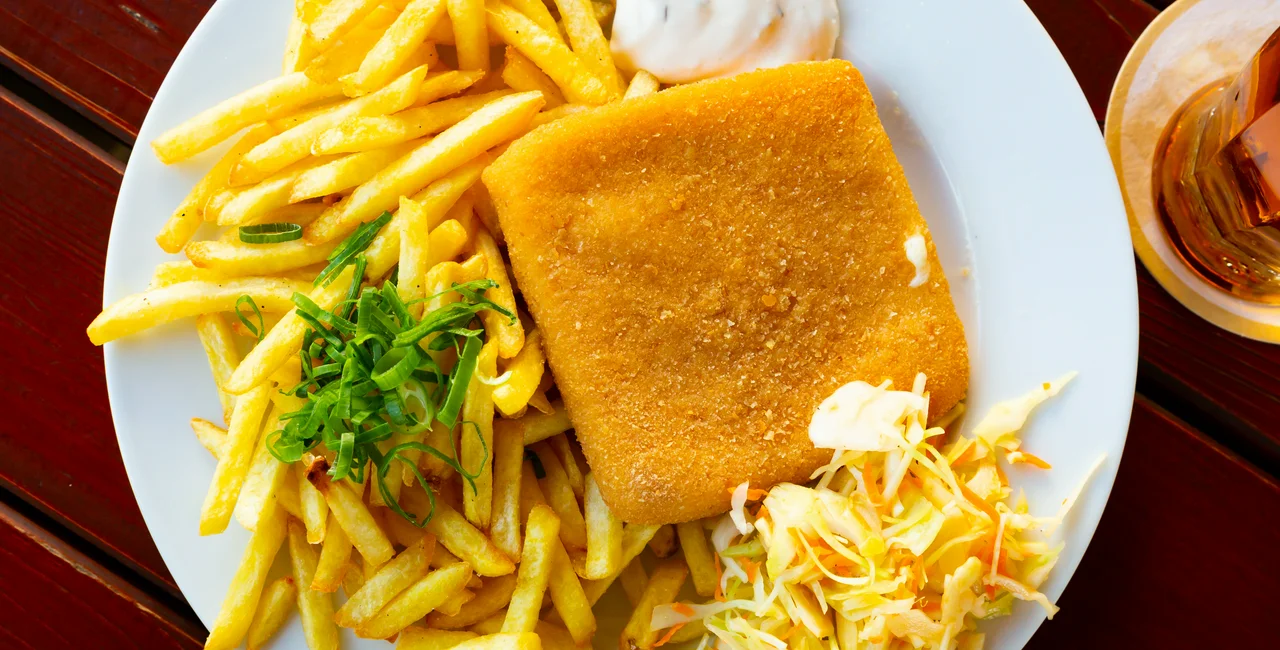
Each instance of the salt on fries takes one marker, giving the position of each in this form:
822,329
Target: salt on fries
351,194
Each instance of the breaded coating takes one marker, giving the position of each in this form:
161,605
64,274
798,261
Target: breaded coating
707,264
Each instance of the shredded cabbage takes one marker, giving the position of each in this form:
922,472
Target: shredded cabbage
897,543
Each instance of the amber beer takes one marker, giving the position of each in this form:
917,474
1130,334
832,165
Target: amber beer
1216,179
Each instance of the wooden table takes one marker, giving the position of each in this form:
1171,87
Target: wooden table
1183,557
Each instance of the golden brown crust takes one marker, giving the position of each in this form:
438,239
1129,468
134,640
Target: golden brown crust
707,264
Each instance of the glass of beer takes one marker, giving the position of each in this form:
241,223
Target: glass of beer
1216,179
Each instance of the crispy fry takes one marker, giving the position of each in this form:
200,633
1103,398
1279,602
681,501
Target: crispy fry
550,54
396,46
265,101
419,638
634,539
468,543
503,641
563,110
663,586
188,216
371,133
315,608
530,491
508,456
541,540
392,578
233,465
299,48
284,340
140,311
352,577
535,427
248,205
315,512
491,625
484,208
508,334
352,514
335,558
236,259
589,43
450,82
447,242
470,34
496,122
521,74
345,172
491,598
220,347
294,145
663,543
265,475
343,57
563,448
604,535
476,455
415,250
273,608
573,529
210,435
697,553
287,497
241,601
436,200
169,273
416,601
538,12
455,603
338,18
634,580
569,598
642,84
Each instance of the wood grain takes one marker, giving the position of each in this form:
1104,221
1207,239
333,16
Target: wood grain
106,58
54,597
1183,555
57,444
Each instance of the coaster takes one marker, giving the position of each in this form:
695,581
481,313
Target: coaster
1189,45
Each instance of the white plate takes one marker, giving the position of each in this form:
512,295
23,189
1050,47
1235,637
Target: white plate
1000,147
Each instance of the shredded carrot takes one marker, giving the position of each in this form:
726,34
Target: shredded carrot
979,503
682,608
872,489
753,494
719,595
751,568
670,633
1004,478
967,455
762,513
1033,460
786,635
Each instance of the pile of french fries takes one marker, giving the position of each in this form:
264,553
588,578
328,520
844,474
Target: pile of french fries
398,106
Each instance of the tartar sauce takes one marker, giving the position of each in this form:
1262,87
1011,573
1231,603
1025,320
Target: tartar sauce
679,41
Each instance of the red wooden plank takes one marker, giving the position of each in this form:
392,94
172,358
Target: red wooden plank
1182,557
54,597
104,57
57,446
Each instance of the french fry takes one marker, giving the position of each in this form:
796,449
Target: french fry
470,34
315,511
476,454
634,539
352,577
454,604
496,122
442,556
697,553
210,435
663,586
604,535
573,529
521,74
436,200
233,465
563,110
263,480
530,492
570,73
508,456
220,347
273,608
401,531
392,578
255,204
459,536
352,515
503,641
168,273
663,543
536,427
343,56
315,608
589,43
419,638
484,208
188,216
564,451
287,497
491,625
541,540
265,101
490,599
642,84
508,334
538,12
285,339
335,559
236,259
345,172
241,600
417,601
450,82
415,249
371,133
338,18
634,580
299,48
397,45
294,145
447,242
141,311
539,402
569,598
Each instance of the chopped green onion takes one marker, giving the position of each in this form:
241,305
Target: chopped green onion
260,330
270,233
352,246
462,372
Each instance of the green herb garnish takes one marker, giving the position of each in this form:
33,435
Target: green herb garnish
354,245
270,233
260,330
